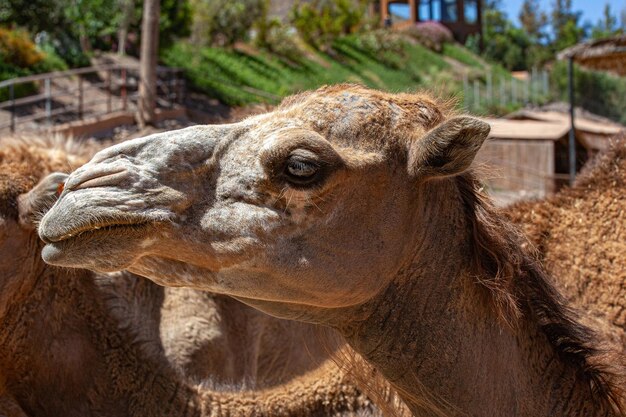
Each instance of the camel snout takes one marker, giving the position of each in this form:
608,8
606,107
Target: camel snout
97,176
47,234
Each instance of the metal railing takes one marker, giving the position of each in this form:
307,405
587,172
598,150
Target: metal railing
501,90
115,86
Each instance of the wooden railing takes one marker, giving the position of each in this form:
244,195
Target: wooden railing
116,88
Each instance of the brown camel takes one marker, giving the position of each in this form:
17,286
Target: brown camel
580,234
354,209
77,343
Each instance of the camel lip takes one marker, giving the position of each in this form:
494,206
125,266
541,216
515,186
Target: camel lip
86,243
86,230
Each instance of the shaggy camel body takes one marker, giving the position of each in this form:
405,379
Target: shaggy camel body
580,234
75,343
354,209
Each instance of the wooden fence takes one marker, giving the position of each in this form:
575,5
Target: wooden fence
502,91
70,95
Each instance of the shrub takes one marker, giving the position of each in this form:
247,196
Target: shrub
321,22
598,92
386,46
17,49
20,57
276,38
67,47
224,22
51,62
432,35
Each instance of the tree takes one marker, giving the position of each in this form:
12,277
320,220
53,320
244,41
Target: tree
73,27
175,21
607,26
533,20
565,25
503,42
92,18
35,15
127,9
148,64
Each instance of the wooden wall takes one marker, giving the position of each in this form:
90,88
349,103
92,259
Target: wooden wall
523,168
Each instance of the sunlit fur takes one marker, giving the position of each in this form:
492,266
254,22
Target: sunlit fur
78,343
400,253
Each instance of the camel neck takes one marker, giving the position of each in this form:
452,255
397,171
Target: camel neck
431,336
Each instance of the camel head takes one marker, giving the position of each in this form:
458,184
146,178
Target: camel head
316,203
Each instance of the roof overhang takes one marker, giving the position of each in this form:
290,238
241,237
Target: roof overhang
607,54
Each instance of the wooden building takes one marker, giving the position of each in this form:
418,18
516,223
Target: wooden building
526,155
520,157
462,17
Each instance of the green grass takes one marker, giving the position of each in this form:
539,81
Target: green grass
462,54
237,78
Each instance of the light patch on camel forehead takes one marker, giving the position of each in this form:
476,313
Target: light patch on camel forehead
276,136
271,126
146,243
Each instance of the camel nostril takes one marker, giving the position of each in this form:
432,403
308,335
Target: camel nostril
97,178
45,239
41,231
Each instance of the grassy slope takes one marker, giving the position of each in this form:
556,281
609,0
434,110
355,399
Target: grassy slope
239,78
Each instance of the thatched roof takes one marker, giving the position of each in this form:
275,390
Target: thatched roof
603,54
584,123
527,129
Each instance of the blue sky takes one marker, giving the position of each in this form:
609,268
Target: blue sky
592,9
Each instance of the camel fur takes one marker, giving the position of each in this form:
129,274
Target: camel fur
579,234
78,343
354,209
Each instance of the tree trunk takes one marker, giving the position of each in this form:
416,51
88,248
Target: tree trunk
83,38
127,7
148,66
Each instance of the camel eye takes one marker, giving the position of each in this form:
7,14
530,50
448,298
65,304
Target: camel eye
301,171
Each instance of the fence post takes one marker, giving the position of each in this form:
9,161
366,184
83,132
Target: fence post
12,98
80,97
533,85
108,83
572,131
182,86
513,91
171,89
476,95
466,91
123,92
502,92
48,100
490,87
527,91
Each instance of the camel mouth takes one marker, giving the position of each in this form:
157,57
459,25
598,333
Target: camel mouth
87,247
86,231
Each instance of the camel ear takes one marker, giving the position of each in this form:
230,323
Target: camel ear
39,199
448,149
